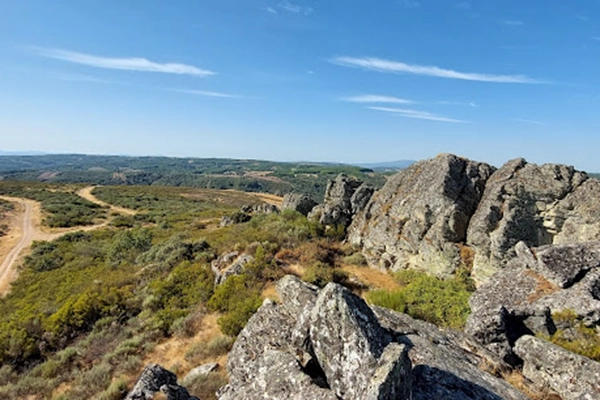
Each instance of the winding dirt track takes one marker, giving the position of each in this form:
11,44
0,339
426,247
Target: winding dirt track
27,226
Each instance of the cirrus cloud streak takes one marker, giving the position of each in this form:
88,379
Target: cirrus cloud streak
127,64
382,65
373,98
416,114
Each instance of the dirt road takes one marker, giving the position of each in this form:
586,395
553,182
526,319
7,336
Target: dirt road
86,193
26,227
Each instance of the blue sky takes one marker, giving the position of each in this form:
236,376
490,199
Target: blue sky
348,81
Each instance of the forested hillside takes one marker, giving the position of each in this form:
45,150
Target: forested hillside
246,175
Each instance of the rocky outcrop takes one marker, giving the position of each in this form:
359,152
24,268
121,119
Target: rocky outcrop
424,215
298,202
421,215
521,298
155,378
526,202
570,375
344,197
263,208
229,264
328,344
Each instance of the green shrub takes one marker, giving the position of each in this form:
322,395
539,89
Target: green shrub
116,391
574,336
321,274
238,297
439,301
234,321
356,259
205,386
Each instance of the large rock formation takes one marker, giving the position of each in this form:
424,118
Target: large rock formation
527,202
344,197
521,298
298,202
571,376
425,214
421,215
329,344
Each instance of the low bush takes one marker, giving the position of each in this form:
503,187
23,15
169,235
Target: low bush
441,302
238,297
205,386
575,336
320,274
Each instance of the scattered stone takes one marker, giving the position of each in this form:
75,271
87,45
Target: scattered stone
572,376
263,208
298,202
155,378
199,371
229,264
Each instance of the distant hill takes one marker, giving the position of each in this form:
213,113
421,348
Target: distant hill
217,173
388,166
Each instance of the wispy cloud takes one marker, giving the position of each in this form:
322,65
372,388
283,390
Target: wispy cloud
373,98
208,93
527,121
463,5
582,17
127,64
270,10
512,22
381,65
416,114
596,37
294,8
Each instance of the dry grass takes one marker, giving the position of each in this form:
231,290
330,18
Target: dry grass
516,379
270,292
467,255
172,352
543,286
372,278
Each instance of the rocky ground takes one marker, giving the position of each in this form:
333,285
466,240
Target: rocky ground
532,234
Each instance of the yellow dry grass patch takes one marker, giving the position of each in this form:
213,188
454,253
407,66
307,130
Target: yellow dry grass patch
373,278
270,292
269,198
516,379
171,353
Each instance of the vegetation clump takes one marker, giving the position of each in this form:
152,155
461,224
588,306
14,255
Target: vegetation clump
443,302
572,334
62,206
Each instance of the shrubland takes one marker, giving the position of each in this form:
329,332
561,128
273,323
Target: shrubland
88,307
62,207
